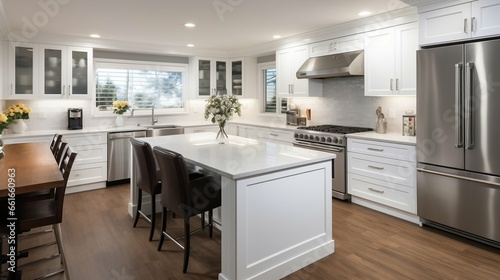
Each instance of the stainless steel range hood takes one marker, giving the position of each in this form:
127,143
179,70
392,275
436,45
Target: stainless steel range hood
335,65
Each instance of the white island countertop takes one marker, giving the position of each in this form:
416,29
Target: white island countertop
238,157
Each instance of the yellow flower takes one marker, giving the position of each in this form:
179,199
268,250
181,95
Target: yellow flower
3,118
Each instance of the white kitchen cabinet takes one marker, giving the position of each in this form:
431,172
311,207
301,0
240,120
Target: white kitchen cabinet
390,61
65,72
23,71
288,61
210,77
471,20
90,167
384,175
281,136
45,71
337,45
243,77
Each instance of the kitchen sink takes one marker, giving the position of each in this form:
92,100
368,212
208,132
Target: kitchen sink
161,130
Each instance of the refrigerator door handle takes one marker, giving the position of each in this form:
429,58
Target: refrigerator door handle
419,169
469,99
459,141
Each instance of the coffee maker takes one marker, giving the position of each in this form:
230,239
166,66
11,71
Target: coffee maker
75,118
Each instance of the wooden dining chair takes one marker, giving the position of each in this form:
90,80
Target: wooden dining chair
185,196
55,142
48,212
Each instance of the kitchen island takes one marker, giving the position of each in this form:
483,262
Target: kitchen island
276,211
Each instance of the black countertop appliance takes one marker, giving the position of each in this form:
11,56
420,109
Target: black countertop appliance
75,118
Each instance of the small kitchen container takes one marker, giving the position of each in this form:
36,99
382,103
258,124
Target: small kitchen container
409,125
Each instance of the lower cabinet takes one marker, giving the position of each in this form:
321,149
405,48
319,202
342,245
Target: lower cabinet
274,135
89,169
382,176
229,128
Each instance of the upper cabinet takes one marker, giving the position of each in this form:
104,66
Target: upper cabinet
390,60
211,76
49,71
288,61
337,45
23,71
65,72
243,77
459,22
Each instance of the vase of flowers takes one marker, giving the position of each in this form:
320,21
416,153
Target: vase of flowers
4,124
220,108
120,107
16,114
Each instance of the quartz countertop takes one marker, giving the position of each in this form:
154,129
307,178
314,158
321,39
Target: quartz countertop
238,157
386,137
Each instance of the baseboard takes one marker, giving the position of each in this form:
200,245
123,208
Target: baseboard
410,217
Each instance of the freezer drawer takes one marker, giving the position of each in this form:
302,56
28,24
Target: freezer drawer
460,200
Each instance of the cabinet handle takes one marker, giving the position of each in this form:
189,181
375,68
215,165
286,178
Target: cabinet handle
376,150
375,167
331,47
473,25
293,88
69,90
64,90
397,84
11,89
274,134
374,190
465,25
391,84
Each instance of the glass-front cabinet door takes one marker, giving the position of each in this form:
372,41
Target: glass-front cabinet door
236,78
23,71
204,77
221,78
53,70
80,72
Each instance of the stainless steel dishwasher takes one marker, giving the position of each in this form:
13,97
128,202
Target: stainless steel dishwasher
120,154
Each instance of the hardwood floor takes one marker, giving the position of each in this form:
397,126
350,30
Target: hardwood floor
100,243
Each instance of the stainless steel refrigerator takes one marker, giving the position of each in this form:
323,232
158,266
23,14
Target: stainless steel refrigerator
458,139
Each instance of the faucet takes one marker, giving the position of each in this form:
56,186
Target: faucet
153,121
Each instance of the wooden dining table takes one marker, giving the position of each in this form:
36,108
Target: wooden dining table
30,166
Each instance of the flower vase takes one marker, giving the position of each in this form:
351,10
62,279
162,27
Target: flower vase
119,120
18,126
221,135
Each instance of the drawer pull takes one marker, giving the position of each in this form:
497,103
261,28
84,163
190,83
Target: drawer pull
374,190
274,134
377,150
376,167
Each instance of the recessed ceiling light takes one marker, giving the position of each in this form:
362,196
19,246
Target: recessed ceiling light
190,25
95,35
364,13
277,36
190,45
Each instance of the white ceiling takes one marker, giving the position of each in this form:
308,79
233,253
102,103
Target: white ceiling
220,24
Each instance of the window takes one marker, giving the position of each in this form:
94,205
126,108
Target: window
142,85
271,102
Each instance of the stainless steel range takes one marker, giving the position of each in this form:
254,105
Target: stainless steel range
329,138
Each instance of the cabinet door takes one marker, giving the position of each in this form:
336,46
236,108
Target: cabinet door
53,71
485,18
321,48
23,70
237,78
379,62
284,64
204,77
300,87
444,25
406,39
221,77
79,81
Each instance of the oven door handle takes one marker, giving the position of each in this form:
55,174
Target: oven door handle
317,147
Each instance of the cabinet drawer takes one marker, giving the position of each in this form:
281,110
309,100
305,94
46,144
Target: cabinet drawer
390,194
280,136
382,149
86,139
384,169
87,173
91,154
